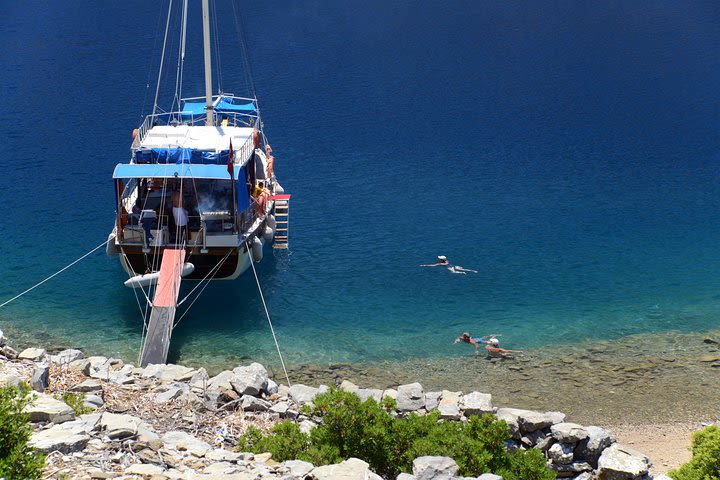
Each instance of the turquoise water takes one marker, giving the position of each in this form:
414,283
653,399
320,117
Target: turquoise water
569,154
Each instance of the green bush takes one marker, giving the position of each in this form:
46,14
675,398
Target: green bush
17,460
705,462
76,401
367,430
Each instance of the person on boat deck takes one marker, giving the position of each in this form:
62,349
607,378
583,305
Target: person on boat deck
443,262
180,215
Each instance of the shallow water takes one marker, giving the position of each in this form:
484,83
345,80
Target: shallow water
570,154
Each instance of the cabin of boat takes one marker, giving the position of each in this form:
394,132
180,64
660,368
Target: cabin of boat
206,189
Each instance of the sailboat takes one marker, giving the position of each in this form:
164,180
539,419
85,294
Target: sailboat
198,199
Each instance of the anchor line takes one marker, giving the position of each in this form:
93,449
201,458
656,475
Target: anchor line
55,274
262,297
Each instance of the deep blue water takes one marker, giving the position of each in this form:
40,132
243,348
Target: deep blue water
568,151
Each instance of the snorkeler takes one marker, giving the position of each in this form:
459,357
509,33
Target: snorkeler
443,262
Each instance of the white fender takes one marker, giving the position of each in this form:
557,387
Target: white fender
257,250
270,222
268,234
152,278
278,189
110,247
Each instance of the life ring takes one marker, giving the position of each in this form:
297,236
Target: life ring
135,134
256,139
268,148
270,166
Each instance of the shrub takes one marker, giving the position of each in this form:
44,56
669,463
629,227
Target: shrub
17,460
705,461
367,430
76,402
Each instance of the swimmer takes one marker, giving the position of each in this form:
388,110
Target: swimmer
465,337
498,352
443,262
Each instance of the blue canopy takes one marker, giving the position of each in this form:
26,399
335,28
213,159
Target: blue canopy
191,109
226,105
184,170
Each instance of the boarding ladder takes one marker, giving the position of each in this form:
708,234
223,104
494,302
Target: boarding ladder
282,220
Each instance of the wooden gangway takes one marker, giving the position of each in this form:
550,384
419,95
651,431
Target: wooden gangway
162,316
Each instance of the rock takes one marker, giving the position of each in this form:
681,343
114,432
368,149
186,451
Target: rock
199,380
705,358
96,363
262,457
271,387
489,476
708,340
525,421
298,468
349,386
118,378
390,393
250,380
168,395
40,377
410,397
9,380
144,469
177,373
365,393
350,469
449,405
118,426
222,455
660,477
432,400
556,417
93,401
405,476
9,352
434,468
153,370
221,381
58,438
568,432
3,339
88,385
618,462
34,354
572,469
253,404
476,403
561,453
307,425
221,468
588,476
534,438
592,447
302,394
45,408
180,441
66,356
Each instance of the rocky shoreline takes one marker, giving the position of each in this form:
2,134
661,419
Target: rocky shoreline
176,422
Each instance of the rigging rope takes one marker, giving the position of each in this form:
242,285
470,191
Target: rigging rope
162,58
55,274
262,297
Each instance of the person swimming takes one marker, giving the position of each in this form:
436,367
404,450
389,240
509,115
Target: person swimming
443,262
491,342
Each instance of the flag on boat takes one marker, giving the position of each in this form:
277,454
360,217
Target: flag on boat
231,158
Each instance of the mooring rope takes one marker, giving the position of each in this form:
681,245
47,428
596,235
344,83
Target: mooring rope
262,297
55,274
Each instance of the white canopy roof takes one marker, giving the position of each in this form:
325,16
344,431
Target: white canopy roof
196,137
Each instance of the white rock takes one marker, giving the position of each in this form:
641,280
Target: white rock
476,403
307,425
199,380
298,468
434,468
168,395
117,426
348,386
525,420
144,469
410,397
272,387
489,476
365,393
350,469
405,476
250,380
222,455
302,394
561,453
66,356
3,339
9,380
221,381
449,405
252,404
567,432
93,401
432,400
221,468
177,373
40,377
61,439
153,370
619,462
390,393
45,408
88,385
591,448
33,354
180,441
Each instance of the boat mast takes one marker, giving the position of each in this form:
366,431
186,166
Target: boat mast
208,70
